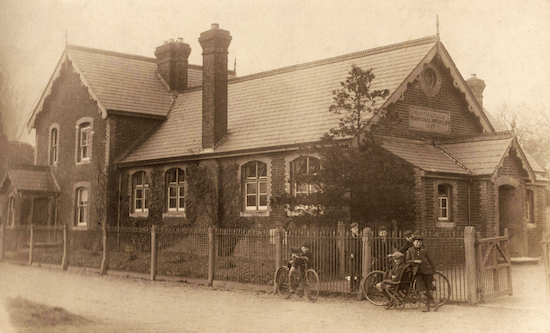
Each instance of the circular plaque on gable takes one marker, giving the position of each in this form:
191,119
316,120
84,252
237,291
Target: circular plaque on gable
430,80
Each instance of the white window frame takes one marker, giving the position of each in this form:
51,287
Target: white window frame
82,207
310,188
256,182
444,203
179,189
142,188
54,145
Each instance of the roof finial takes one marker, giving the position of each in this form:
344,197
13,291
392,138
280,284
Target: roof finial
235,66
437,24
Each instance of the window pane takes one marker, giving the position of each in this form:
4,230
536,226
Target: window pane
251,201
181,176
172,203
182,203
171,176
263,187
138,204
139,194
250,171
181,191
314,165
251,188
172,192
146,202
263,200
262,170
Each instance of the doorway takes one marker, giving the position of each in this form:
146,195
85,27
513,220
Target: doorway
510,216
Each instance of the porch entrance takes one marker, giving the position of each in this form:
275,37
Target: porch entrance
510,217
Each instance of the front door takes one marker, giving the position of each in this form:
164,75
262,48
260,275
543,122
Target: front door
510,217
41,218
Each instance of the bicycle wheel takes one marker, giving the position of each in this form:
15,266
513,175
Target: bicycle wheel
369,290
442,290
282,282
311,285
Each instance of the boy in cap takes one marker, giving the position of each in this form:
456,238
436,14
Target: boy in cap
392,277
423,270
409,241
299,258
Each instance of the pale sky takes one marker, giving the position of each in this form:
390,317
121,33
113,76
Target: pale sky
506,43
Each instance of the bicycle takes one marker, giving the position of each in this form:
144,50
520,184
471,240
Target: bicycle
309,281
442,290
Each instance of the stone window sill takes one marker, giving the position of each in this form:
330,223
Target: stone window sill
445,224
255,213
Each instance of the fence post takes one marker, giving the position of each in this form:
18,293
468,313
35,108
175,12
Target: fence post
2,237
509,267
546,262
105,261
211,255
341,250
471,268
64,262
153,252
279,234
367,259
31,244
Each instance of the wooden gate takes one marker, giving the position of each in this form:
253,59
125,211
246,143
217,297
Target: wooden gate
494,266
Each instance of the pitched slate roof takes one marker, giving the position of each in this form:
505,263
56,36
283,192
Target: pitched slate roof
31,178
278,108
422,154
480,154
122,82
119,82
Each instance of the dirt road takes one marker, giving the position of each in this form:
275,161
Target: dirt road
132,305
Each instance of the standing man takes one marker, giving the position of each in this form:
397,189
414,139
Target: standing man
355,250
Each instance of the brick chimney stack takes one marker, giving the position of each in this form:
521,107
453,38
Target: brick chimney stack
172,62
476,86
215,43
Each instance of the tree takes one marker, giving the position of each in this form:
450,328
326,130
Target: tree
13,105
531,125
360,178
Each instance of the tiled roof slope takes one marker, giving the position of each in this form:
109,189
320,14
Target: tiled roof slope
282,107
480,154
123,82
32,178
422,154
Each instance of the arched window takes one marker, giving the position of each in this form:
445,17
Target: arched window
530,209
11,212
54,141
300,168
82,197
175,190
141,191
444,198
254,177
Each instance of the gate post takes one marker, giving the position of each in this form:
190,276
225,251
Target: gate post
105,260
211,255
341,250
2,237
65,259
153,252
279,234
471,268
31,244
366,254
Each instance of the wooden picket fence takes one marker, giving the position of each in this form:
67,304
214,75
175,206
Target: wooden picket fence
237,257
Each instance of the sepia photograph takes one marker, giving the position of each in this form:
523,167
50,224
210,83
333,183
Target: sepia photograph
274,166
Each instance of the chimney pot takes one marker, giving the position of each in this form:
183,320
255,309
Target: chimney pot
171,40
476,86
180,40
172,63
215,26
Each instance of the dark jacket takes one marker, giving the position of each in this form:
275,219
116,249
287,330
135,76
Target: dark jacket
427,266
405,247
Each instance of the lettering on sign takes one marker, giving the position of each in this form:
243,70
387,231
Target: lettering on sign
429,121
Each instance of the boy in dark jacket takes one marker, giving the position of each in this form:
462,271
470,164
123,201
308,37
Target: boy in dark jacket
423,270
300,258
